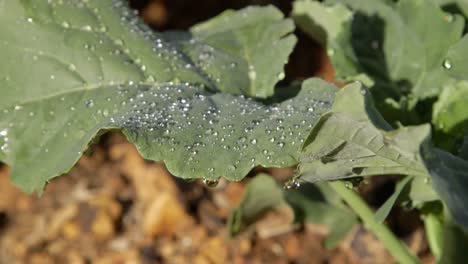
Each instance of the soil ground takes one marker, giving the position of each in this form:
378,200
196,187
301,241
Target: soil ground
115,207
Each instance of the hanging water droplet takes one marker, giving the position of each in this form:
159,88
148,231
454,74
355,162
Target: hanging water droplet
363,90
211,182
280,144
281,76
447,64
190,179
292,184
253,141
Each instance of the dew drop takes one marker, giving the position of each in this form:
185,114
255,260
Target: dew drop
241,140
253,141
89,103
447,64
87,28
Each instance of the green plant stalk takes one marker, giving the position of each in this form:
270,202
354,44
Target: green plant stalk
399,251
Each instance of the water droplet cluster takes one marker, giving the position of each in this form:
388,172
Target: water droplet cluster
4,140
218,134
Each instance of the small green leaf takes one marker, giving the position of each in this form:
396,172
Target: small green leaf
433,217
450,112
384,210
311,203
319,204
261,194
421,191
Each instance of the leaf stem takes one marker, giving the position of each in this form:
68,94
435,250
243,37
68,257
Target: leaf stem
399,251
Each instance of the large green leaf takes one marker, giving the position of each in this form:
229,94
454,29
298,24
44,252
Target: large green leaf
402,47
313,203
73,68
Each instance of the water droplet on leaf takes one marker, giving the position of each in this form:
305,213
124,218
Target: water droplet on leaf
447,64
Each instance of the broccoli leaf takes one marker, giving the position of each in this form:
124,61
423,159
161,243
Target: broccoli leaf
74,68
